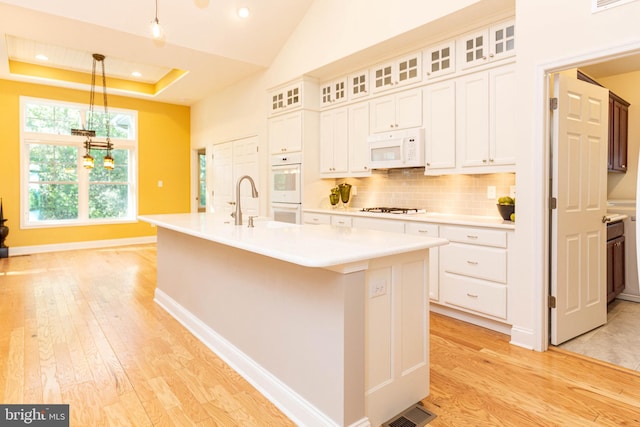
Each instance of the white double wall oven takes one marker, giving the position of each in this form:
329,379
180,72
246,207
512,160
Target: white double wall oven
285,183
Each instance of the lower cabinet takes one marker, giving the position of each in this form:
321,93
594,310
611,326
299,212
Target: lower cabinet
320,218
473,270
470,274
315,218
429,230
378,224
615,260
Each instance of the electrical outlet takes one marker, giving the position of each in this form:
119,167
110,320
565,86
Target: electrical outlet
377,288
160,183
512,191
354,190
491,192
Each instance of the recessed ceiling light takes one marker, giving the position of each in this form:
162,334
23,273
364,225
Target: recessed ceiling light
243,12
136,74
42,57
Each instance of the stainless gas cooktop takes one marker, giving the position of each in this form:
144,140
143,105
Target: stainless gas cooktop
393,210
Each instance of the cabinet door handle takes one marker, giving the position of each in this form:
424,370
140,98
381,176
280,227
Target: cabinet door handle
471,236
472,295
472,262
423,231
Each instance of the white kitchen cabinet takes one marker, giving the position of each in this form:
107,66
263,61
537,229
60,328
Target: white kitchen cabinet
316,218
485,121
470,276
334,92
428,230
439,60
398,111
379,224
343,142
286,98
285,133
341,220
440,127
294,95
334,141
397,73
487,45
473,270
358,146
322,218
358,85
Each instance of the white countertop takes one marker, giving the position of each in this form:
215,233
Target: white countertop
615,217
440,218
307,245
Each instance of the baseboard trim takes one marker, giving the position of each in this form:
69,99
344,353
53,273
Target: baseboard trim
629,297
294,406
90,244
470,318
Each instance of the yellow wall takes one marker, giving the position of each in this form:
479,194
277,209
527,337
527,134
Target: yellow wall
163,154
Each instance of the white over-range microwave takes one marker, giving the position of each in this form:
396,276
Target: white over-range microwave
396,149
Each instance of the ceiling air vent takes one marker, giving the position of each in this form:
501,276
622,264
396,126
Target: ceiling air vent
600,5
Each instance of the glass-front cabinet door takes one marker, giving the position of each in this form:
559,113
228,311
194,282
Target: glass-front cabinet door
359,85
440,60
503,40
333,92
473,49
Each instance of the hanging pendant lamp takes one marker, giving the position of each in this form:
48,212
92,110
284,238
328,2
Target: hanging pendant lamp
87,160
156,29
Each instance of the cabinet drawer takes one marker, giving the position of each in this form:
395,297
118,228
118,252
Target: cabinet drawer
473,294
341,221
615,229
474,261
315,218
378,224
475,236
422,229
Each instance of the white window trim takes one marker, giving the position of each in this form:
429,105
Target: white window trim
35,137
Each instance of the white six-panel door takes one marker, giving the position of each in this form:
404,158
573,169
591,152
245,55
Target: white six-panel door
579,184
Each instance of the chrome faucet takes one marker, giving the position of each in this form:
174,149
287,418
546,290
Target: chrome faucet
254,193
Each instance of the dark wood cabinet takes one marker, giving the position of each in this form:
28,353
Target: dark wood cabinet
618,128
615,260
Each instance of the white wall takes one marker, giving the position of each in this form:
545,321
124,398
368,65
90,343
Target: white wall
550,34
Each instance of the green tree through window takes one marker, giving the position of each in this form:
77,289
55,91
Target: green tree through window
59,188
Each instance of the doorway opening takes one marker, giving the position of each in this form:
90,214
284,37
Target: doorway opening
614,342
201,185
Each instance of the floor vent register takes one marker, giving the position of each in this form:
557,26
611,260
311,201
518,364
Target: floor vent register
414,416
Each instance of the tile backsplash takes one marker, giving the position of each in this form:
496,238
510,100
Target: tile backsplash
410,188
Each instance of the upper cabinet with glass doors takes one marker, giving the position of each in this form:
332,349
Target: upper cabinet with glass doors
400,72
293,96
487,45
333,92
440,60
358,85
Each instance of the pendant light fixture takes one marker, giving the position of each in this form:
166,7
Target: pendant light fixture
156,29
87,160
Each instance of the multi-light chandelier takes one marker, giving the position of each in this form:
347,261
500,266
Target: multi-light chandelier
89,144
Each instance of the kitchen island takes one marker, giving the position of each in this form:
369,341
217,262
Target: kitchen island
330,324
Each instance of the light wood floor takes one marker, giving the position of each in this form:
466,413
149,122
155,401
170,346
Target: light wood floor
81,327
